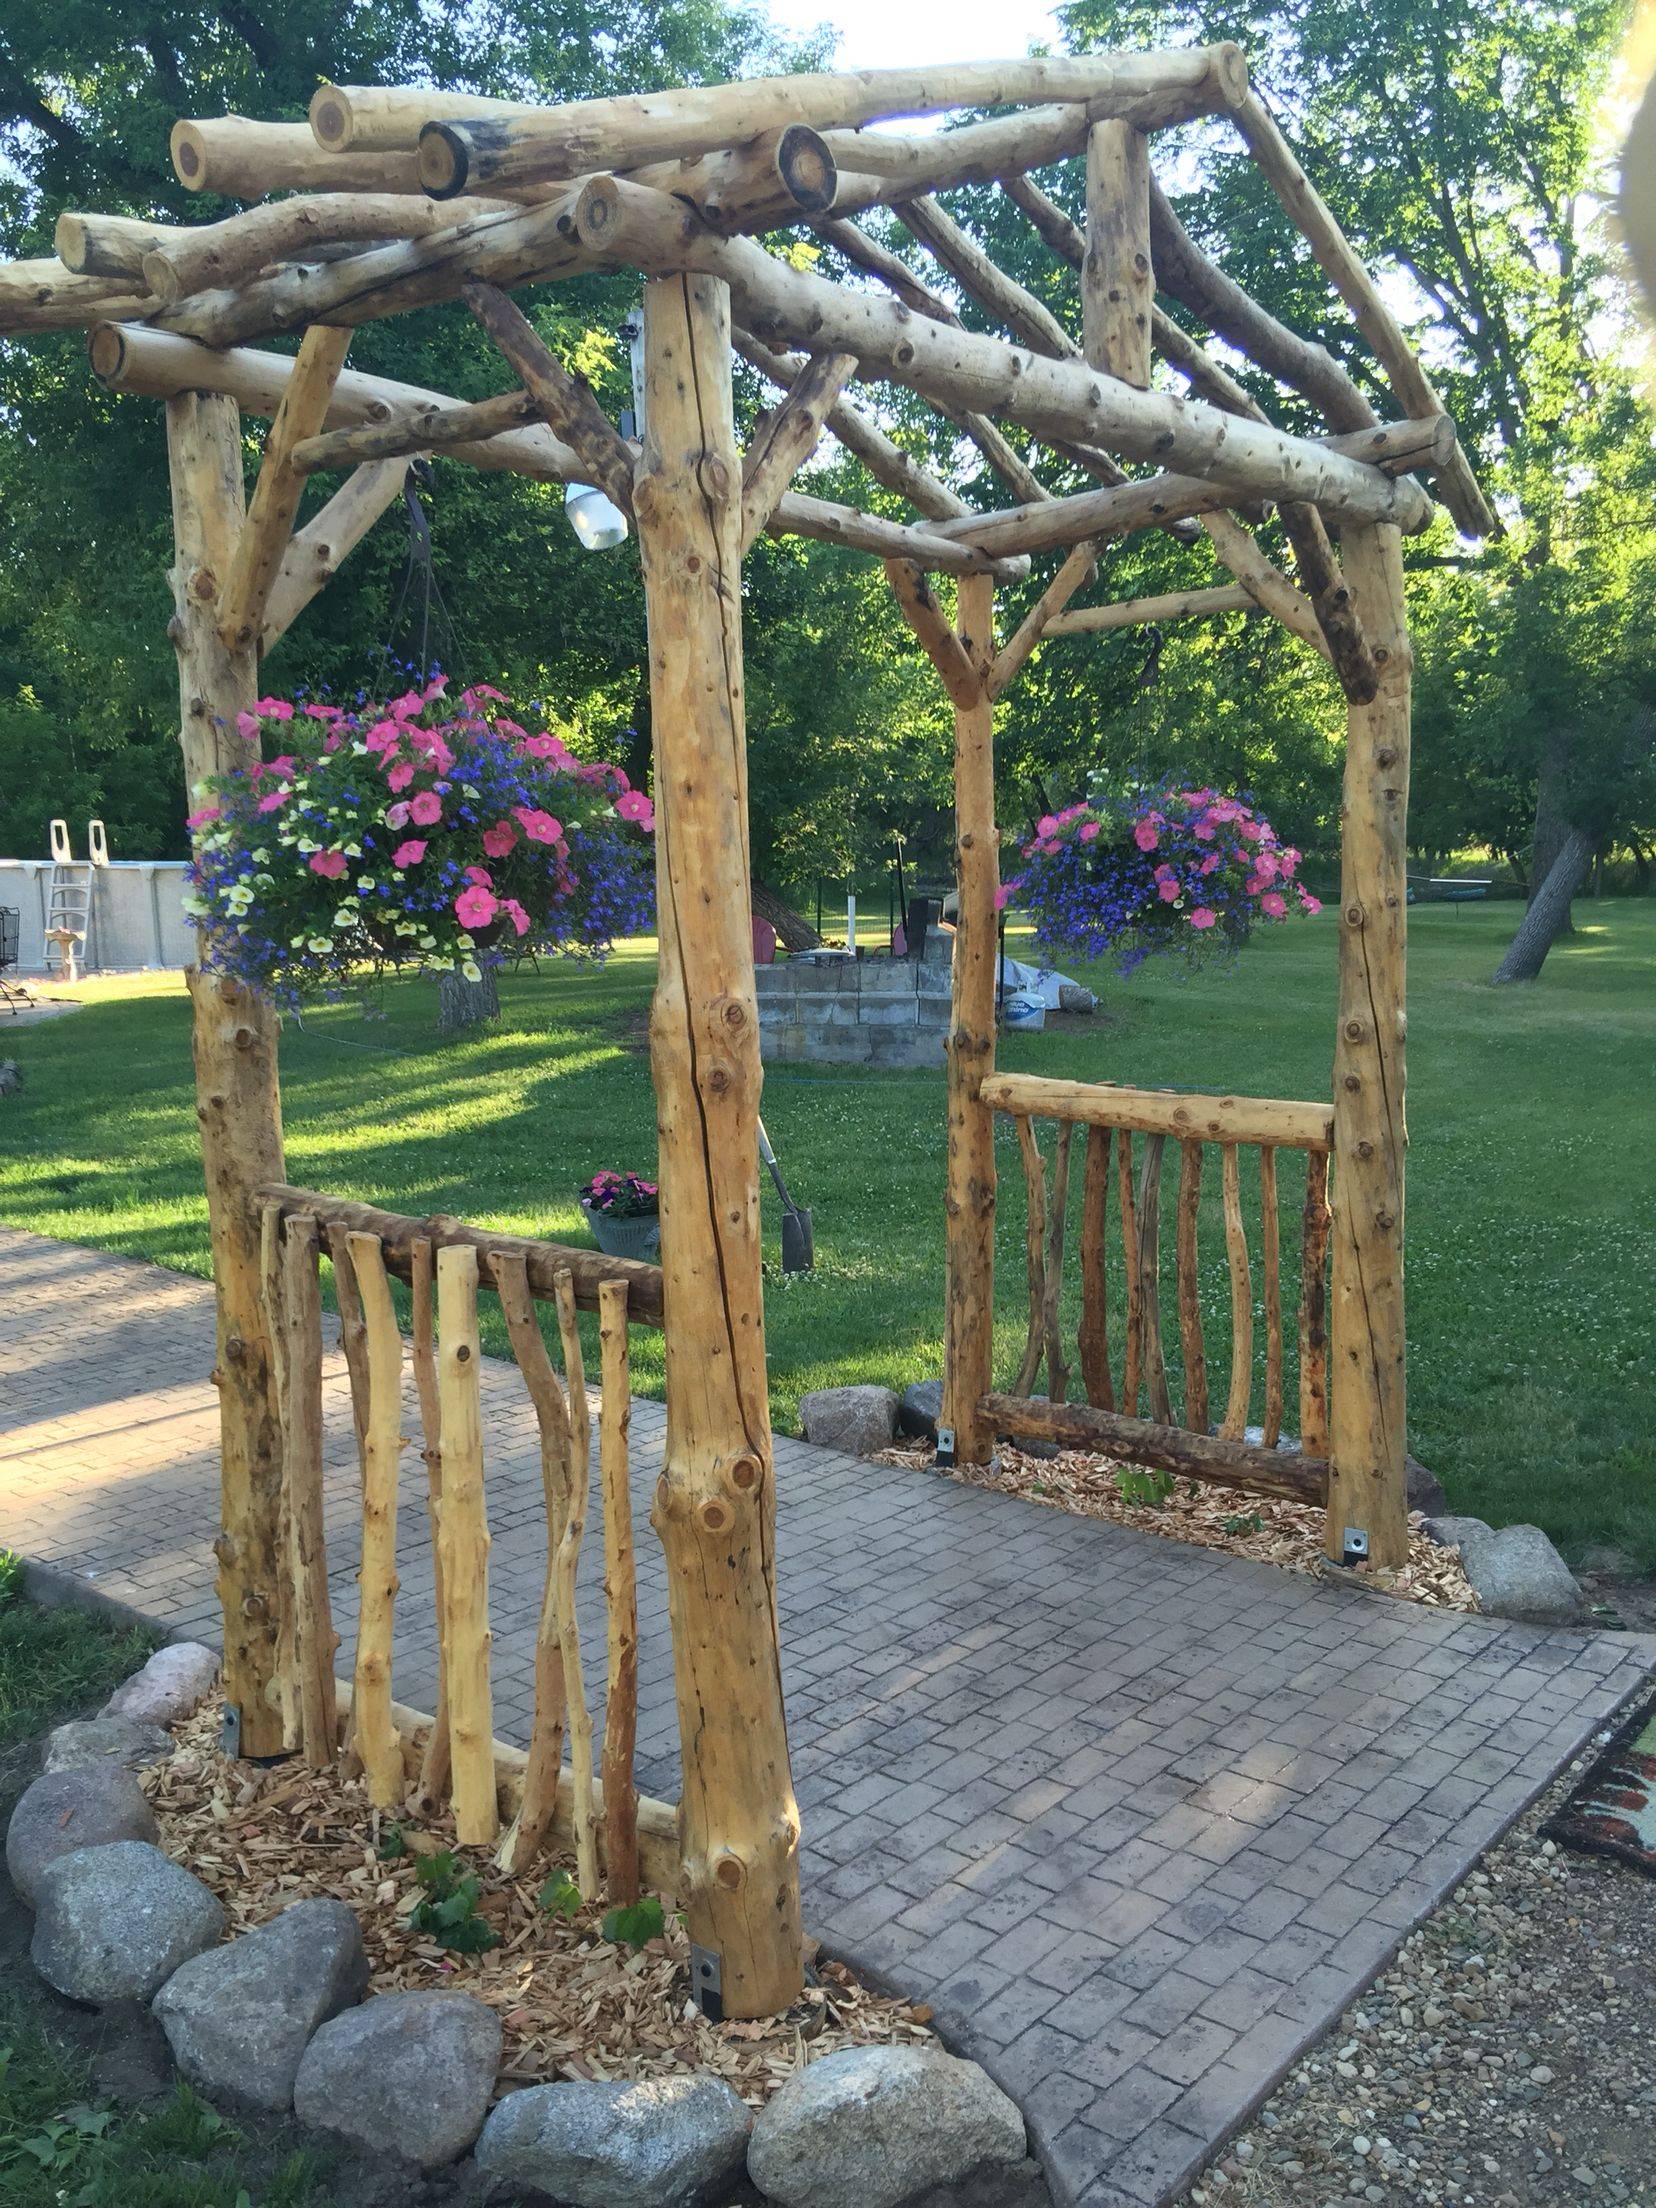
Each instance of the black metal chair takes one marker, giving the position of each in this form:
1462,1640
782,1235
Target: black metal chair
12,998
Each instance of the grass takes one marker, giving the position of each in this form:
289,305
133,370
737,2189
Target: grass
52,1660
1530,1201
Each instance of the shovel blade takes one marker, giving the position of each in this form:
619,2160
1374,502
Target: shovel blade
798,1242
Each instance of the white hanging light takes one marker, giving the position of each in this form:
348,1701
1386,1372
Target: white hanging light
596,520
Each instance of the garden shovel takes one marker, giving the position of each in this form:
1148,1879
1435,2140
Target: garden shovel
798,1247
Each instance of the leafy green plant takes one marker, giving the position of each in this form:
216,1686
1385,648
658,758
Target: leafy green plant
636,1923
1245,1522
1148,1489
448,1909
392,1845
11,1576
62,2143
560,1896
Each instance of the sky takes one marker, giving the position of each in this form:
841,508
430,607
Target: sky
876,34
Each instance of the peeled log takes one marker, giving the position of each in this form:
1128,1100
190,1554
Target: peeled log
1168,1448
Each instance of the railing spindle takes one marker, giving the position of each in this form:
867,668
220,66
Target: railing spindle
377,1740
1132,1357
1034,1239
433,1781
1190,1300
465,1543
296,1337
1149,1240
569,1557
1235,1423
620,1595
1313,1323
353,1340
1271,1238
1093,1339
1053,1280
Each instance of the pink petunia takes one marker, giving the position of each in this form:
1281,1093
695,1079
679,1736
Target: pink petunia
1250,829
324,713
539,827
329,864
396,817
476,907
407,706
478,690
425,810
274,800
247,726
383,736
1046,825
1089,831
1147,836
1203,831
436,686
634,805
1003,896
1308,903
516,914
1211,864
1203,917
409,853
500,841
1168,890
207,814
400,774
273,709
481,876
1274,904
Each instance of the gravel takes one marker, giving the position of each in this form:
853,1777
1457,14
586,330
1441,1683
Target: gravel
1507,2059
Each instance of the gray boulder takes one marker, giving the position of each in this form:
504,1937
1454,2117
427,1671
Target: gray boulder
870,2127
114,1923
920,1408
171,1686
859,1420
407,2075
648,2143
1425,1489
66,1810
129,1741
1454,1533
239,2017
1517,1573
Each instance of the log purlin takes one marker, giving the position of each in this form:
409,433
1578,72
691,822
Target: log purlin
1234,1119
1297,1479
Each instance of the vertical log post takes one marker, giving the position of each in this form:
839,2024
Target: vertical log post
1093,1341
465,1548
1313,1318
715,1507
1034,1166
584,1812
1190,1288
377,1742
1118,287
434,1760
237,1102
1367,1485
300,1364
969,1330
620,1595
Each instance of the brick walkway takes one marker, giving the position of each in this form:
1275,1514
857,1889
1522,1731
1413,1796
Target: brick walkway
1139,1820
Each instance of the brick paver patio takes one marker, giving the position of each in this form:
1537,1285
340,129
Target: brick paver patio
1137,1819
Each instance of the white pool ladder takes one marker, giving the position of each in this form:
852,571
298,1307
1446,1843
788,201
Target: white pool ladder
69,898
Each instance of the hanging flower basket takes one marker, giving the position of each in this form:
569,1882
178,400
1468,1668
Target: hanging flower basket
623,1211
417,834
1184,871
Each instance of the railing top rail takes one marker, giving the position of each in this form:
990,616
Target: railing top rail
543,1261
1276,1121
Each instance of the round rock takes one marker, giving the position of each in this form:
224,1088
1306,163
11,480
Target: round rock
1517,1573
239,2017
171,1686
407,2075
872,2126
129,1741
647,2143
114,1923
920,1409
858,1420
66,1810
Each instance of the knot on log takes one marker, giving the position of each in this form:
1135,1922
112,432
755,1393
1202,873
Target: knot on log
729,1871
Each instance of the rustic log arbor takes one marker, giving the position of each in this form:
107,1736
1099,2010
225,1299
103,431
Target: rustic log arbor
1115,419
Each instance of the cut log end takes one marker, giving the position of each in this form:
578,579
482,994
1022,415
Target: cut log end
444,161
330,117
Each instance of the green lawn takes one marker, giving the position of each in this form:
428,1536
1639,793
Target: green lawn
1531,1204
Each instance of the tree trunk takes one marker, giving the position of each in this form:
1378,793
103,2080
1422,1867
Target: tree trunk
1549,911
462,1003
793,931
1552,827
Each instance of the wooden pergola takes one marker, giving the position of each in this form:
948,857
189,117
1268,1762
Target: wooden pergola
392,198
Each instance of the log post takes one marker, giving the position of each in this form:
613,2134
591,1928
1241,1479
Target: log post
376,1735
969,1203
715,1507
1118,288
1367,1487
464,1534
237,1102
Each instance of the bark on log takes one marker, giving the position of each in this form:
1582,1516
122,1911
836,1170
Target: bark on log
1251,1119
969,1197
216,256
1062,398
268,529
1315,1224
541,144
239,157
1271,1237
716,1502
1235,1421
424,429
569,1559
1034,1169
793,931
327,540
556,1637
238,1104
1177,605
1367,1408
1149,1246
1093,1339
109,245
787,435
620,1792
1117,285
1080,565
1190,1288
465,1538
398,1234
1548,912
433,1780
1298,1479
934,633
1132,1364
296,1330
36,296
565,402
375,1734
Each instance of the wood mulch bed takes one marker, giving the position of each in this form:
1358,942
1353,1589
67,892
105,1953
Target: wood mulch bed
1208,1516
572,2005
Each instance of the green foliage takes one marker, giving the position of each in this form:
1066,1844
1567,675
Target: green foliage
392,1845
1147,1487
560,1896
50,1658
448,1909
11,1576
1248,1521
635,1923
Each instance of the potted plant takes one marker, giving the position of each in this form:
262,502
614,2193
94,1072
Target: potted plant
1186,871
421,833
624,1212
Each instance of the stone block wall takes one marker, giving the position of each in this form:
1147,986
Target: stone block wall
853,1012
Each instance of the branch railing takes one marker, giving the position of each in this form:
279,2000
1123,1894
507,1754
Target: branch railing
518,1802
1127,1133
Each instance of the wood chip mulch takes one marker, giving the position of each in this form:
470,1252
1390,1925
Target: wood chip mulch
1208,1516
571,2004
